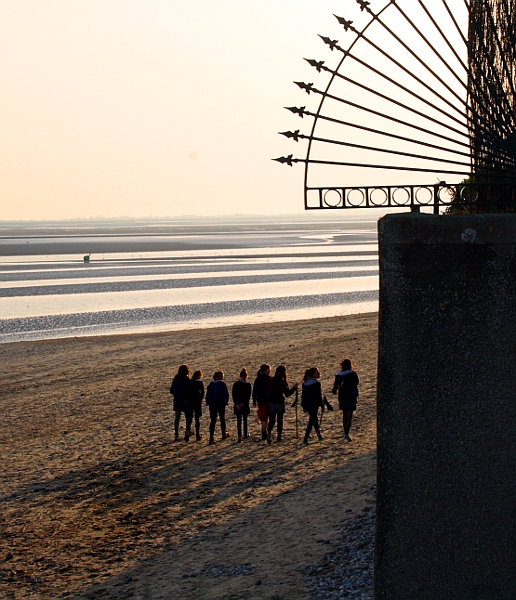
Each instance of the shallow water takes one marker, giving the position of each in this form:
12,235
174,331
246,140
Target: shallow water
285,272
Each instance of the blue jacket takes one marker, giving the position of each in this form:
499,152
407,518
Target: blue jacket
311,395
346,382
217,394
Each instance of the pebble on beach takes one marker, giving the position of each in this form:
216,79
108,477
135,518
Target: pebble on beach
348,571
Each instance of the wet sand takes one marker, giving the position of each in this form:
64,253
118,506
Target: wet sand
98,502
180,235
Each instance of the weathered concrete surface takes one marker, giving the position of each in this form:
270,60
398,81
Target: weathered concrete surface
447,408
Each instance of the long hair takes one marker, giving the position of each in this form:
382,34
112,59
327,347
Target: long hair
197,375
309,373
281,373
183,372
346,365
306,376
243,373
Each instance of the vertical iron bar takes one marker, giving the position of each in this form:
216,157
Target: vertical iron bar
436,199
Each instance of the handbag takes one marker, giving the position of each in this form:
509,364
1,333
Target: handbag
262,413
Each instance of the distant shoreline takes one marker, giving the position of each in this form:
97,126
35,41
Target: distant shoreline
182,237
99,248
314,217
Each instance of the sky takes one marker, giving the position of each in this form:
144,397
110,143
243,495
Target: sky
154,108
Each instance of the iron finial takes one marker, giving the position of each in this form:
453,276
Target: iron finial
315,63
330,43
347,24
291,134
308,87
297,111
364,4
286,160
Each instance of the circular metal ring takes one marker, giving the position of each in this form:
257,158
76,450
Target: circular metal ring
446,194
401,201
424,196
356,197
382,201
468,194
332,198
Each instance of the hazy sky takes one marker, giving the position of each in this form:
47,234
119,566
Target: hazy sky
153,107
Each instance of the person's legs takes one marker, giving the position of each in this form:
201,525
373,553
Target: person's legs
189,418
309,427
272,409
280,425
264,430
347,420
239,425
313,422
177,418
222,417
197,424
316,423
246,433
213,421
316,426
272,419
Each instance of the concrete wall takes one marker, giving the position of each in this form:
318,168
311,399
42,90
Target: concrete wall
447,408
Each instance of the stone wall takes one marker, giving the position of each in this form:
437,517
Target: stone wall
446,513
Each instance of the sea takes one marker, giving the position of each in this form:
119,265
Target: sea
98,277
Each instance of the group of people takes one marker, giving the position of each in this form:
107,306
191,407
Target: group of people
268,394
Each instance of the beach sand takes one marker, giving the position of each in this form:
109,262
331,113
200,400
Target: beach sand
98,502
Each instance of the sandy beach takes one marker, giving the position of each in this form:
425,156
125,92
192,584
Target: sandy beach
97,501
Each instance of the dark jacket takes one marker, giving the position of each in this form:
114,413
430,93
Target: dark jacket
178,389
217,395
278,390
261,389
311,395
346,383
241,393
195,394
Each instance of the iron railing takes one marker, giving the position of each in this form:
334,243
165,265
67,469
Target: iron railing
440,102
462,197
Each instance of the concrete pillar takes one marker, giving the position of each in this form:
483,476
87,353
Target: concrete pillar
446,516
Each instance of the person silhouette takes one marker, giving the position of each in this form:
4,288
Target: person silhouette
217,398
346,384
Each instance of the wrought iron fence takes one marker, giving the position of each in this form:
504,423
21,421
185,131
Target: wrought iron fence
440,101
462,197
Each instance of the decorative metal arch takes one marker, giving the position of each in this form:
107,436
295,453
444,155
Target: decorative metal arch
436,96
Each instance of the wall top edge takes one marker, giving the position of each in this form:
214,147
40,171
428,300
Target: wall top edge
413,228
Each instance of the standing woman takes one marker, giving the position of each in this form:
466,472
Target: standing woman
217,398
346,382
311,401
195,397
278,390
241,393
178,389
260,393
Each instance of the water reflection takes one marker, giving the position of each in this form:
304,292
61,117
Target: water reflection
204,278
